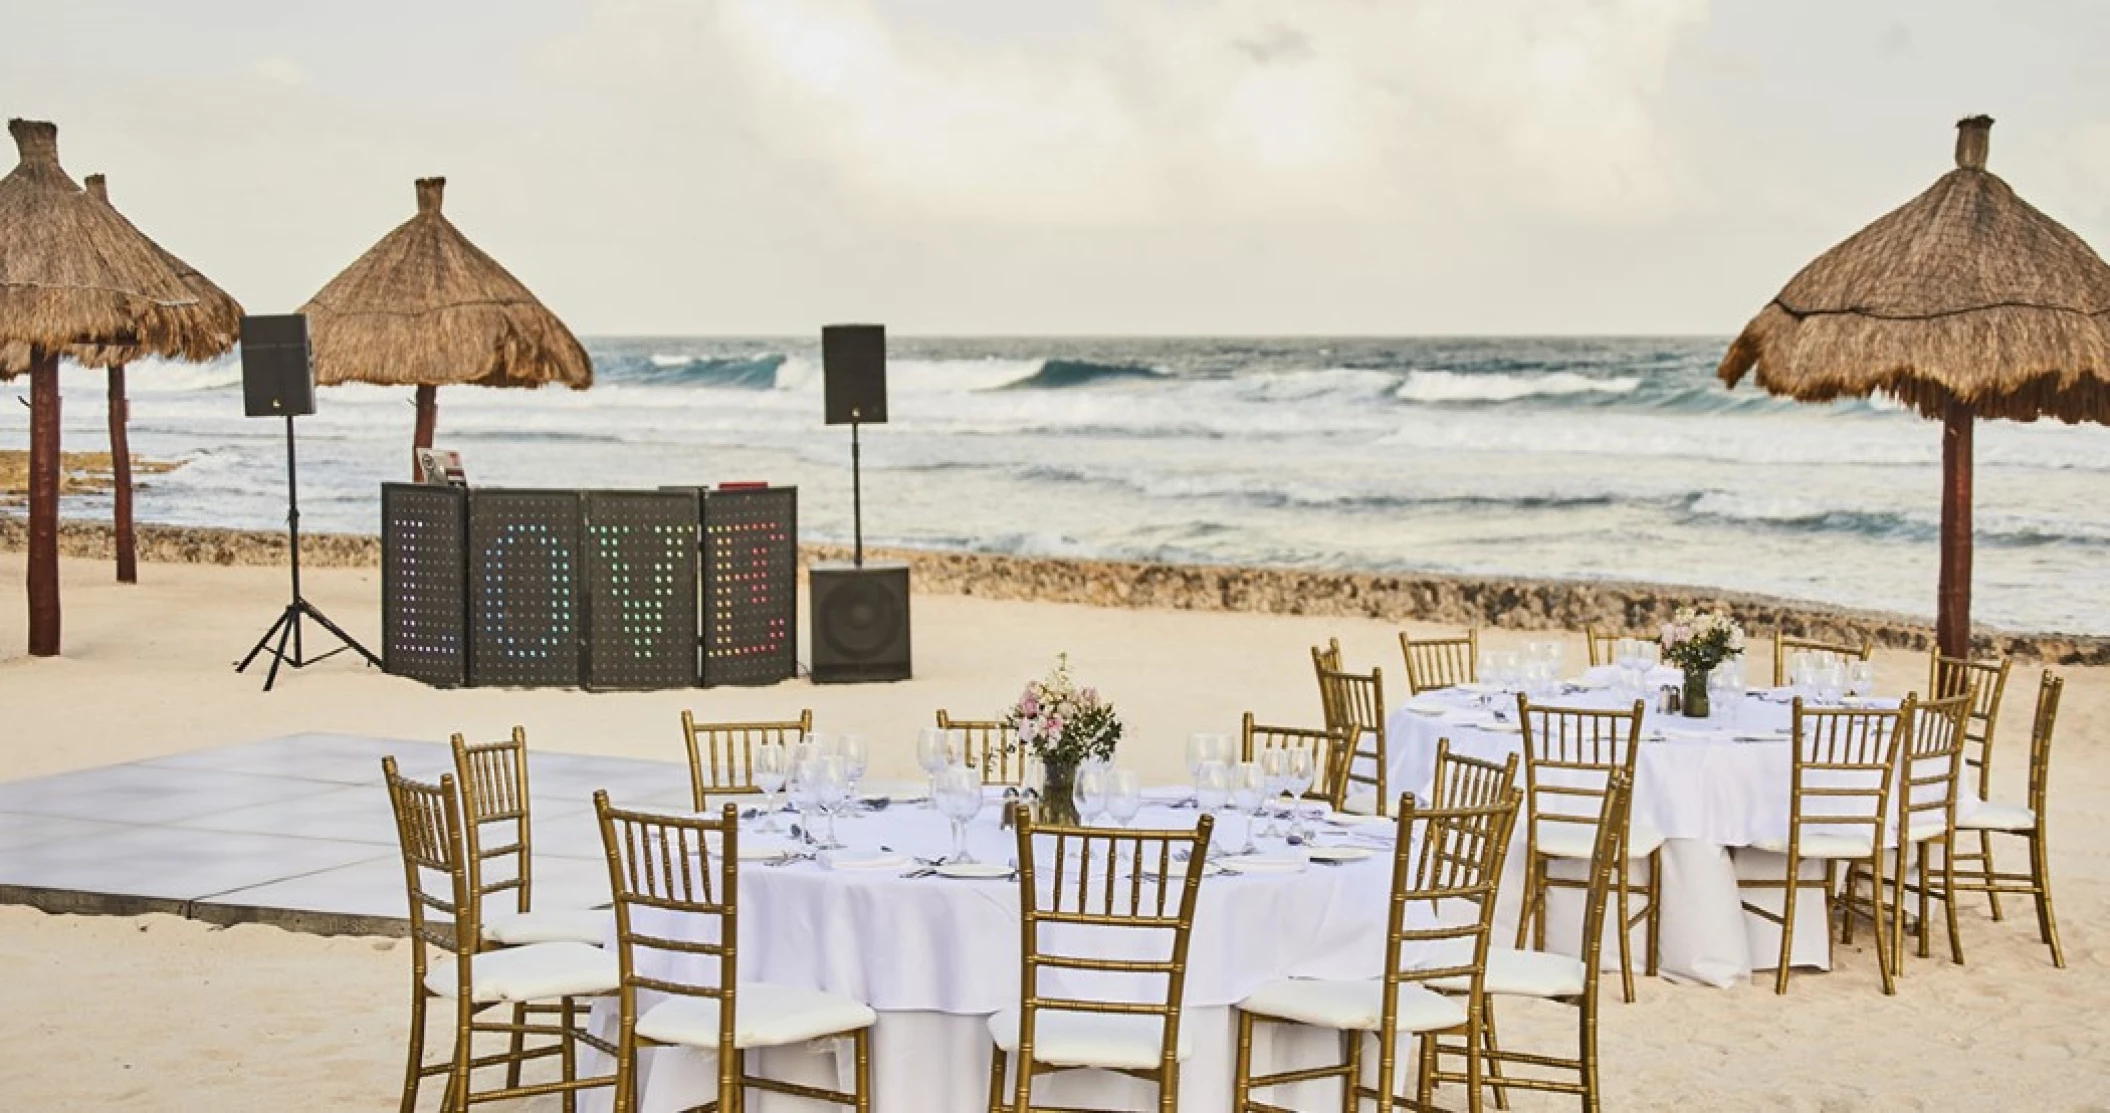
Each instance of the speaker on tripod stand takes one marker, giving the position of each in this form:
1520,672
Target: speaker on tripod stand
859,611
278,380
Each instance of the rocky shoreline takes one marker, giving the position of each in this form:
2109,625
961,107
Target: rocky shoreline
1512,602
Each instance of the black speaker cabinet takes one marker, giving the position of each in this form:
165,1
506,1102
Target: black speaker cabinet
278,375
860,622
853,361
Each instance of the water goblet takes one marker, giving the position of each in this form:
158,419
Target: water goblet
1124,795
931,757
1202,747
772,767
1248,794
959,796
1274,765
831,785
1212,785
1088,791
1831,682
856,753
801,790
1861,679
1303,773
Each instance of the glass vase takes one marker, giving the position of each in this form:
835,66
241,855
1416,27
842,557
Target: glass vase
1058,794
1693,704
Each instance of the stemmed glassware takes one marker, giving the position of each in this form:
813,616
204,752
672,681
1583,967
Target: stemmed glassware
931,758
1861,679
1303,772
959,796
829,784
1089,791
1124,795
1725,691
1202,748
1248,794
1274,766
772,767
857,757
1831,681
1212,785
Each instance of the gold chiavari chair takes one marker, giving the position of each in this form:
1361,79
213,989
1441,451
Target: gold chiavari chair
1557,978
1444,858
991,745
1931,761
1356,712
1083,891
1839,803
722,755
2023,821
1441,662
498,832
1785,645
1601,643
1947,676
1329,754
1570,755
1323,659
444,917
677,921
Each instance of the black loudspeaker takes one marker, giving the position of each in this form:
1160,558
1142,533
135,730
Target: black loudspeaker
860,622
853,359
278,375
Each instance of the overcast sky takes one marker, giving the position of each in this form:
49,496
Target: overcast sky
1067,166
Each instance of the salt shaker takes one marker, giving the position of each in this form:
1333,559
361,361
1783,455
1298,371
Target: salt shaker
1670,701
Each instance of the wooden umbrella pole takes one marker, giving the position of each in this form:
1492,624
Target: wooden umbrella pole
1952,630
121,478
428,416
43,503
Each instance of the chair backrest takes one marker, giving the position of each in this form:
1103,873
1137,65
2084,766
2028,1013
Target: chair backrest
1460,791
1987,680
1601,643
1441,662
1570,754
1426,883
1845,768
990,745
1931,763
2048,692
1091,901
676,882
1463,781
1786,644
1330,753
1614,822
1323,658
497,833
722,755
1356,711
429,834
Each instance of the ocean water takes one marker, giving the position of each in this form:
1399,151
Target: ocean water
1562,457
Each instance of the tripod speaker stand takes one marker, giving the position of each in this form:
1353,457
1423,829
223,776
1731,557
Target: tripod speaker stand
278,380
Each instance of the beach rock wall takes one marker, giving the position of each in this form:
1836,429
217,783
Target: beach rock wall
1524,604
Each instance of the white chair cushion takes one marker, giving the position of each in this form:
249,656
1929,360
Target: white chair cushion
557,925
1360,803
1926,827
1992,815
1579,840
1104,1040
542,972
1820,845
1510,972
765,1015
1356,1006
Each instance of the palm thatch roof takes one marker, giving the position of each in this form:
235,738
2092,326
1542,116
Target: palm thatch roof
426,307
215,311
1966,292
74,273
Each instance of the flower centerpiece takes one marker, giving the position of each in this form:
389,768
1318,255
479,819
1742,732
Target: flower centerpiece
1698,642
1064,726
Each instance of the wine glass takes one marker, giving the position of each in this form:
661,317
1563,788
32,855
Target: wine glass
1303,773
1202,747
931,757
1089,791
1274,765
959,796
830,784
1831,681
1124,795
1248,785
1212,785
772,767
856,753
1861,679
1725,691
801,789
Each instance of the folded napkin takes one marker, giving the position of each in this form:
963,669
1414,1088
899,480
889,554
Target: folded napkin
864,860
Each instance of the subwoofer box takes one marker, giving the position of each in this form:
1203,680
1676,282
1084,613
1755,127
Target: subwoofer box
860,622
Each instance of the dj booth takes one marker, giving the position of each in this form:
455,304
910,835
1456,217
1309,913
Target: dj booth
668,588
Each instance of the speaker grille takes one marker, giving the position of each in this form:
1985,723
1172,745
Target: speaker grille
860,622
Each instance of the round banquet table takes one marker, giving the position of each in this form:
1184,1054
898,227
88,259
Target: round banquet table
1708,785
935,956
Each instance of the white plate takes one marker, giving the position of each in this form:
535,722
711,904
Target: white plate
977,871
1425,705
1336,853
1260,863
1351,819
763,849
864,860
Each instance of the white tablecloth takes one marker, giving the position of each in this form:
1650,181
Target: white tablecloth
935,956
1707,784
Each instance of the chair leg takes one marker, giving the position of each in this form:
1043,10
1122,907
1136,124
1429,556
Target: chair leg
861,1046
1425,1077
1588,1042
1242,1073
2040,877
625,1072
1885,958
1853,878
1475,1074
997,1060
1524,909
1493,1057
1351,1101
1986,871
1787,927
464,1052
1169,1089
1948,898
516,1047
1655,911
1626,942
568,1052
414,1073
1926,929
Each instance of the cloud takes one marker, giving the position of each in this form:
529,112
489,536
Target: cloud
277,69
1220,111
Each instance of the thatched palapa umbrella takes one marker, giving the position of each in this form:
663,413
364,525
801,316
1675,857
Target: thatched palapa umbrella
73,274
215,312
1966,302
427,308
